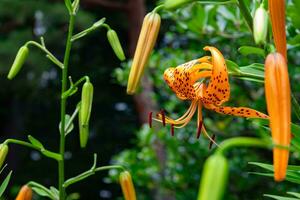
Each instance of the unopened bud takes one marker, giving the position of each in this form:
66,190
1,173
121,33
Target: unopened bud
115,44
25,193
214,178
86,102
260,25
127,186
18,62
146,42
3,153
83,133
278,98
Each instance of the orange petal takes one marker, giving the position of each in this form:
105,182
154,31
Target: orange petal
218,90
236,111
277,13
277,89
182,78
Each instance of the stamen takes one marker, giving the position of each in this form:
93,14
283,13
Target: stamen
172,130
163,116
211,142
150,119
199,129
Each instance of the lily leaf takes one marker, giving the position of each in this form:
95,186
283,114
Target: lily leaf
41,190
292,175
5,183
279,197
67,121
35,142
248,50
294,194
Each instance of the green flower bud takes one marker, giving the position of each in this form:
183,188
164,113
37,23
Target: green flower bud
83,133
18,62
173,4
86,102
115,44
260,25
3,153
214,178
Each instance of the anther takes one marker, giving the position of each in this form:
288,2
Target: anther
172,130
150,119
199,129
163,116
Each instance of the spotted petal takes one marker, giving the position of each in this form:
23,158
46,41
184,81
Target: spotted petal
218,89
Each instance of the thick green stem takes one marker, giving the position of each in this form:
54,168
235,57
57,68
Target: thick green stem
246,13
61,164
242,142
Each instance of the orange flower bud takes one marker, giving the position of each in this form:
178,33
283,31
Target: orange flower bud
277,13
146,42
25,193
127,186
277,89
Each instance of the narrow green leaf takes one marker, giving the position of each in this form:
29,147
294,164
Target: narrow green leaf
248,50
5,183
279,197
99,22
54,192
296,106
67,120
68,5
35,142
232,66
294,194
41,190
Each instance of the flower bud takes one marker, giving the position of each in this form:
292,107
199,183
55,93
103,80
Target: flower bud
278,97
3,153
146,42
277,14
25,193
86,102
83,133
115,44
214,178
127,186
260,25
173,4
18,62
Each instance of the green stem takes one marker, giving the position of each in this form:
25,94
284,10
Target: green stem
241,141
246,13
44,151
49,54
61,164
68,92
90,172
20,142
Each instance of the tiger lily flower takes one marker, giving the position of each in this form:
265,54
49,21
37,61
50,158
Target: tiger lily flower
188,82
277,14
278,97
